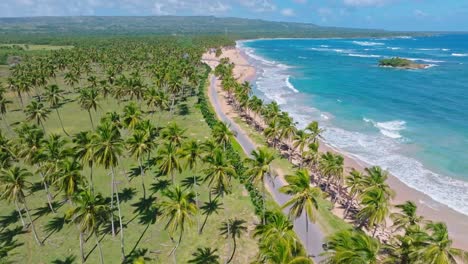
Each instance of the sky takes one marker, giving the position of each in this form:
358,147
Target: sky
407,15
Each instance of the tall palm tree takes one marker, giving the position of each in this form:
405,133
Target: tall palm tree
178,208
331,166
376,179
174,134
13,184
375,208
140,144
209,208
192,152
205,256
89,211
259,167
108,146
54,96
350,246
304,198
354,182
68,178
84,152
4,102
38,112
219,171
88,99
233,228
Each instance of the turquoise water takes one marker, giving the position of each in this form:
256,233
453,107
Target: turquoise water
412,122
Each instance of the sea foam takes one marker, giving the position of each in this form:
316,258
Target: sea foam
363,55
368,43
460,54
389,129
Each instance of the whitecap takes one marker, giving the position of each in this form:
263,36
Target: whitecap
390,128
289,84
368,43
363,55
460,54
425,60
324,46
394,48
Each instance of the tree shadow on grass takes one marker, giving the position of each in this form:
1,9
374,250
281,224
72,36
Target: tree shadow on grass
68,260
8,235
45,210
54,225
127,194
6,220
160,185
184,110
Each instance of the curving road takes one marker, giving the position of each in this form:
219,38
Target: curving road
315,235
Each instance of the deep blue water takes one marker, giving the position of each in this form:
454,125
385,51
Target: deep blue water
412,122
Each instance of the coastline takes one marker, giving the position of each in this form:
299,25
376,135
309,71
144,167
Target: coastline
429,208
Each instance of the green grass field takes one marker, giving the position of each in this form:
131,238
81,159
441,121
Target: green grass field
30,47
64,242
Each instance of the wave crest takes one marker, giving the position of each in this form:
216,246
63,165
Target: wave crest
390,128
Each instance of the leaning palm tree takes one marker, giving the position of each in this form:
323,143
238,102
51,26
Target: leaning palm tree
233,228
89,211
304,198
38,112
375,209
354,182
350,246
13,184
178,208
259,167
205,256
54,96
315,131
331,166
407,217
3,109
108,146
438,249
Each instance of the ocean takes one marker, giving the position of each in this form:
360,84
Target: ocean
414,123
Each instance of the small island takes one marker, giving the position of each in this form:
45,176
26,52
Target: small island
401,63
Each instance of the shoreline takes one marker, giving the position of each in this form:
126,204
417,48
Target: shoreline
457,222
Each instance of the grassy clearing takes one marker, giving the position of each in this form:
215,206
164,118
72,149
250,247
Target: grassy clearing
37,47
64,242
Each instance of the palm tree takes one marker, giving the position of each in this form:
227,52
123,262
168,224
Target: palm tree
331,166
3,108
310,157
89,211
68,178
174,134
222,134
139,145
84,152
192,152
54,95
209,208
205,256
350,246
233,228
168,157
277,233
438,249
88,99
407,217
315,131
219,172
273,132
304,198
13,184
178,208
259,167
132,115
108,146
157,99
301,140
37,112
377,180
375,208
354,182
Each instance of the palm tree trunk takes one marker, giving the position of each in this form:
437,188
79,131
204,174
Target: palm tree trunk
99,247
112,203
228,230
91,118
307,231
20,214
203,225
233,250
263,201
196,202
46,188
43,128
32,224
122,247
61,123
142,174
91,185
83,259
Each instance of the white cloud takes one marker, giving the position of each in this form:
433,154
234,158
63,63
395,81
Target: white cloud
258,5
300,1
419,13
358,3
288,12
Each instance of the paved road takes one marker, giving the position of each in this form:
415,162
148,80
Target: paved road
315,235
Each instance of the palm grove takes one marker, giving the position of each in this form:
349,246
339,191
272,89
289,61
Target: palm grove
364,196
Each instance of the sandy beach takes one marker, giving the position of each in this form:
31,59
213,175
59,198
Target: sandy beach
457,223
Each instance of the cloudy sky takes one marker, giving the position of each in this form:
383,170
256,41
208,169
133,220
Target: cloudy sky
385,14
